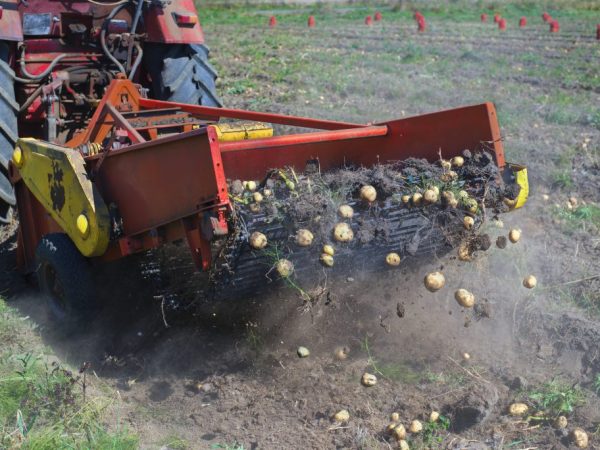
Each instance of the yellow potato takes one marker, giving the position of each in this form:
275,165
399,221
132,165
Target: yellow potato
530,282
395,417
399,432
417,198
368,379
518,409
406,199
249,185
449,176
514,235
341,353
284,268
509,202
415,427
343,233
430,196
434,416
434,281
403,445
258,197
327,260
392,259
463,253
304,238
466,356
458,161
464,298
471,205
368,193
342,416
258,240
580,438
346,211
561,422
446,165
267,192
468,222
328,250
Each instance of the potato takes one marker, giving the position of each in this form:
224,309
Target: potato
395,417
509,202
530,282
403,445
464,298
434,281
466,356
453,203
327,260
579,438
417,199
368,379
468,222
343,233
346,211
514,235
518,409
434,416
406,199
463,253
392,259
498,223
250,185
430,196
449,176
328,250
463,194
447,196
258,240
368,193
561,422
573,201
446,165
399,432
342,353
254,207
304,238
435,189
415,427
257,197
458,161
284,268
546,197
267,193
471,205
303,352
342,416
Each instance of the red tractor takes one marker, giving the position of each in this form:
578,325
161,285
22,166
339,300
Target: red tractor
58,58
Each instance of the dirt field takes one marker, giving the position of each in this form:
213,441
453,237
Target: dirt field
234,381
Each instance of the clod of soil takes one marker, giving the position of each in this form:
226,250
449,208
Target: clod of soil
284,268
530,282
399,432
342,416
303,352
501,242
518,409
514,235
343,233
561,423
368,193
415,426
392,259
434,281
434,416
368,379
579,438
304,238
327,260
468,222
346,211
258,240
464,298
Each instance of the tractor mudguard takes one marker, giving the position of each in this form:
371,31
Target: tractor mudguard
173,23
10,21
56,176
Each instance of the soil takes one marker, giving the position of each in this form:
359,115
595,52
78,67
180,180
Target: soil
234,376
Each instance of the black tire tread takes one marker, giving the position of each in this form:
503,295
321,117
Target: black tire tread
9,109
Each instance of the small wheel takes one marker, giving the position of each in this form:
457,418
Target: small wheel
65,280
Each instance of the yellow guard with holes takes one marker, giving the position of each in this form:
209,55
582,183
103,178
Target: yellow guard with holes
56,176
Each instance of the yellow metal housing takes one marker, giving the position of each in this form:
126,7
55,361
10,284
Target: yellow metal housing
242,131
523,181
56,176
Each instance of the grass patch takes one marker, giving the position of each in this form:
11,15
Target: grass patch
432,435
556,397
400,371
43,405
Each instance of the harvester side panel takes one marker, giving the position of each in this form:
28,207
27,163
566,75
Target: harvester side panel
10,22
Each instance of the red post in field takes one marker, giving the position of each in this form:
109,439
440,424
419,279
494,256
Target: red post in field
368,21
272,22
378,17
497,18
554,26
417,16
421,25
598,32
523,22
546,17
484,17
502,24
311,22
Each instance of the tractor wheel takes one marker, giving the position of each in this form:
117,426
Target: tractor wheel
9,109
181,73
65,280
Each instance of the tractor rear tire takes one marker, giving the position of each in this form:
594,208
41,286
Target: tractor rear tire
65,280
181,73
9,109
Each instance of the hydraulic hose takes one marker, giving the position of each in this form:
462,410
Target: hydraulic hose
138,60
45,72
107,52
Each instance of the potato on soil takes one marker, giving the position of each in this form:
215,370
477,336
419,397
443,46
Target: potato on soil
304,238
399,432
257,197
415,426
453,203
509,202
530,282
446,165
468,222
342,353
579,438
328,250
403,445
458,161
368,379
395,417
466,356
343,233
250,185
449,176
447,196
464,298
368,193
434,281
463,194
346,211
430,196
406,199
471,205
284,268
417,199
327,260
392,259
573,201
514,235
463,253
267,193
303,352
258,240
434,416
561,422
342,416
518,409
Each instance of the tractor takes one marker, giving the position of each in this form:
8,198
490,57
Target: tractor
114,143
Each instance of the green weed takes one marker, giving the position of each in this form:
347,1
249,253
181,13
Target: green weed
396,371
557,397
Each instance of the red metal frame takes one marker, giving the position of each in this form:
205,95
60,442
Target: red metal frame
172,188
